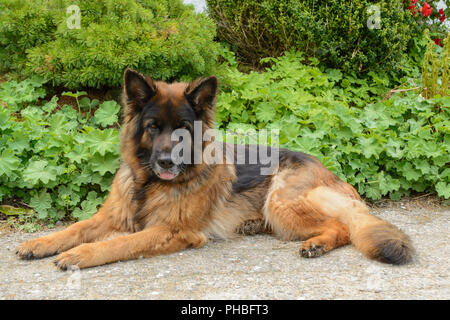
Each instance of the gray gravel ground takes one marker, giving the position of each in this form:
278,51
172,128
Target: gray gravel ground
258,267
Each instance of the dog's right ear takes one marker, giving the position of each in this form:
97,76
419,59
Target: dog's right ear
137,89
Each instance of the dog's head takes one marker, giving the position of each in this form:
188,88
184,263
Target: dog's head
157,110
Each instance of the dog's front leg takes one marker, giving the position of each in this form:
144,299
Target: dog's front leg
152,241
97,227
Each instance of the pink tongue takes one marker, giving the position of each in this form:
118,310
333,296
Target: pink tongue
166,175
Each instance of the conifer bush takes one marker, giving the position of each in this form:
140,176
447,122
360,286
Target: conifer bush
164,39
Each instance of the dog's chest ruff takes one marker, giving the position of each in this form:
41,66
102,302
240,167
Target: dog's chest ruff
192,205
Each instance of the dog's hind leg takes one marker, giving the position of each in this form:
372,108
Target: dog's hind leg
292,216
375,238
327,214
293,219
331,234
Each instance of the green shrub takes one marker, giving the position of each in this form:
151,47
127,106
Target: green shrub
55,159
164,39
334,31
389,147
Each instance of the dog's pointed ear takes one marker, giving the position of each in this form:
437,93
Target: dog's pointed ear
138,89
201,94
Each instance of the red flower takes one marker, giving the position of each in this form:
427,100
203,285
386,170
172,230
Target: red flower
438,42
413,9
442,16
426,10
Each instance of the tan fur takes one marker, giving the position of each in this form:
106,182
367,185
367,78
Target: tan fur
299,201
330,218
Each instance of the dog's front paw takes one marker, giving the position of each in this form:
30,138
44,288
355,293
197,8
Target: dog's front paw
81,257
36,249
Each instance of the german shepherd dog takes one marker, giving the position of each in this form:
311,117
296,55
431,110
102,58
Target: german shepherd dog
161,207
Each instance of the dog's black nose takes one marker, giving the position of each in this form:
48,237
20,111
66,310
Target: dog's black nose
165,161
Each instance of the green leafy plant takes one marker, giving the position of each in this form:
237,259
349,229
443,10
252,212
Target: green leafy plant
75,95
16,94
58,160
390,147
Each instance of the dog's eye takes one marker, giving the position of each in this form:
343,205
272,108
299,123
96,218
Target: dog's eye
152,126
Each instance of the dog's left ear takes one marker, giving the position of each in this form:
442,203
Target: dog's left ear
201,94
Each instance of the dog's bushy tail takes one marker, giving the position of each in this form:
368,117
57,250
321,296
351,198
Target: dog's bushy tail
385,243
375,238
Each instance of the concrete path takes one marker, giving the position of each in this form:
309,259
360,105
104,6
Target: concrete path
258,267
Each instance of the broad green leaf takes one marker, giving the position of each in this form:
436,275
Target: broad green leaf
40,170
102,164
265,112
88,206
107,113
370,147
41,202
78,154
8,163
20,141
334,75
103,141
5,122
443,189
409,172
423,166
373,192
67,196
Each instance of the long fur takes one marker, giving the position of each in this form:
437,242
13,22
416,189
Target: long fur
300,200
